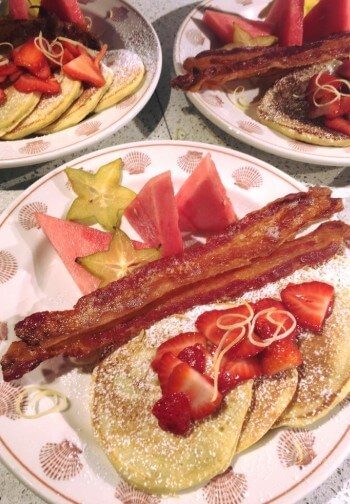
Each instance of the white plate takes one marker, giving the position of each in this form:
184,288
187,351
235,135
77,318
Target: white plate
33,278
120,25
218,107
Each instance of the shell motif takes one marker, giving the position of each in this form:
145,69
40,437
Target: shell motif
3,331
26,216
8,266
189,161
61,461
8,396
136,162
247,177
250,127
244,2
88,128
296,448
227,488
128,495
118,14
213,100
301,146
195,37
35,147
128,102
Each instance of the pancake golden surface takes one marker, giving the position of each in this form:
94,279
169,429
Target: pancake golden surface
16,107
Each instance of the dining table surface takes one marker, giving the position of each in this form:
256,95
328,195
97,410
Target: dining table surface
169,115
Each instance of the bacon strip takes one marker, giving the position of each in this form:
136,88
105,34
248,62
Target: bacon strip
212,69
310,250
256,235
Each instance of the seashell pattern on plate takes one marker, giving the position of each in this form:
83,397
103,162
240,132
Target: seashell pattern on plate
301,146
227,488
8,266
4,332
34,147
189,161
118,14
61,461
212,99
244,2
127,102
8,397
136,162
26,216
250,127
296,448
129,495
195,37
88,128
247,177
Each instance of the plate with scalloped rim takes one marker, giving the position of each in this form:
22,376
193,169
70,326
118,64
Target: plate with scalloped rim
121,26
63,462
221,108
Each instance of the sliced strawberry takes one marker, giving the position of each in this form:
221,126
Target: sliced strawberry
280,356
83,69
166,365
29,57
198,388
3,78
67,56
207,323
176,344
195,356
263,327
2,96
13,77
338,124
245,349
44,73
344,70
345,105
173,413
310,302
8,69
237,371
313,90
30,84
72,48
330,109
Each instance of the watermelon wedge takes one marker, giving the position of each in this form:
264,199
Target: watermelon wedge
221,24
286,21
202,201
65,10
154,215
327,17
18,9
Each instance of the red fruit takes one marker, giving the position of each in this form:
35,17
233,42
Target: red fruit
327,17
286,21
8,69
329,110
313,90
18,9
237,371
280,356
194,356
29,84
73,49
344,69
2,96
207,323
338,124
173,413
176,344
65,10
198,388
165,367
263,327
82,68
13,77
29,57
245,349
3,78
345,105
310,302
44,73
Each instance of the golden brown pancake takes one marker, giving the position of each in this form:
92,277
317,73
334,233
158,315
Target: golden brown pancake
16,107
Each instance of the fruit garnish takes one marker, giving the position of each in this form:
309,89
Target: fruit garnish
119,260
165,367
30,84
242,38
264,327
83,68
245,348
29,56
280,356
235,372
310,302
176,344
198,388
326,18
286,21
309,4
173,413
100,197
65,10
18,9
339,124
8,69
344,70
2,96
194,356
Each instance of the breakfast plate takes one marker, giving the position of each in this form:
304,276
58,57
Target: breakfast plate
121,26
63,462
227,108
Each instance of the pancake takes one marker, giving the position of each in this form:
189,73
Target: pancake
284,109
82,107
129,71
16,107
150,459
271,396
48,110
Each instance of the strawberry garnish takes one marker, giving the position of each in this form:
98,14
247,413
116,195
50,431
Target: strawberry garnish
29,57
29,84
176,344
338,124
166,365
2,96
280,356
344,70
13,77
310,302
44,72
82,68
245,349
173,413
8,69
235,372
266,329
72,48
198,388
195,356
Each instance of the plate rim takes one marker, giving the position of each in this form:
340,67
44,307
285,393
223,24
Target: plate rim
235,132
8,458
110,130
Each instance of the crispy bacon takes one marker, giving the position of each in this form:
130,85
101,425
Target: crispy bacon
212,69
310,250
256,235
